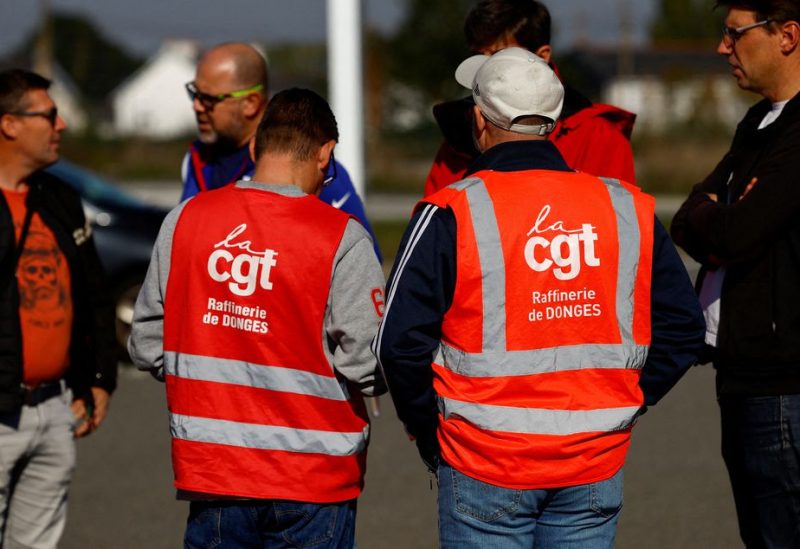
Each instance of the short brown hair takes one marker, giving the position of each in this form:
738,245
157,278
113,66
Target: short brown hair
14,84
297,121
527,21
774,10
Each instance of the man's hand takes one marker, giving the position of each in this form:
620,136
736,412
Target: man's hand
101,402
749,187
90,417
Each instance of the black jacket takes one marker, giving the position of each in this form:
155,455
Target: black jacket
91,353
757,238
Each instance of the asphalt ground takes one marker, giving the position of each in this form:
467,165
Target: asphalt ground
676,488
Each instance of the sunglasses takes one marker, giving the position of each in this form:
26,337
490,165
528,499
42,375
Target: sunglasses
209,101
50,115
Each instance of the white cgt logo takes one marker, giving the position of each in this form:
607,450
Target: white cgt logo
541,253
245,270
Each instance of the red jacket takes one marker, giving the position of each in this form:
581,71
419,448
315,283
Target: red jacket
594,139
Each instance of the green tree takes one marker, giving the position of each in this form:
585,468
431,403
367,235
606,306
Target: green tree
686,22
428,46
95,63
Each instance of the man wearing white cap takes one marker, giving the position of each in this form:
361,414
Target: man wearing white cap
532,314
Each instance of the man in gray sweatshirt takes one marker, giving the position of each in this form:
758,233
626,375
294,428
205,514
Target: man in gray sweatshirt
258,310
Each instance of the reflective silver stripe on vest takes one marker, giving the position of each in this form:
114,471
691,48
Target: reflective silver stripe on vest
267,437
495,360
538,421
493,271
541,361
627,232
236,372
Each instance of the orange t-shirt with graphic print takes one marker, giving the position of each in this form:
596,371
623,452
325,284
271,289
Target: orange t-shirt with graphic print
45,298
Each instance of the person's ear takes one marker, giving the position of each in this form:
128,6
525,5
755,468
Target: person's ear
324,155
479,124
545,52
251,146
9,126
478,119
790,36
253,105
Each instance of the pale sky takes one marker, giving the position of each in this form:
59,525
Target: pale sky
140,25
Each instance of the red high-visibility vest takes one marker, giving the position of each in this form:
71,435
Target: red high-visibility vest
256,409
538,370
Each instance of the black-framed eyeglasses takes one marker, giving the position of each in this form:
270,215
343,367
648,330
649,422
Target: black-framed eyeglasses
51,115
731,34
209,101
330,171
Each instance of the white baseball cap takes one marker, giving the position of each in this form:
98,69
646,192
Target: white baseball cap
513,83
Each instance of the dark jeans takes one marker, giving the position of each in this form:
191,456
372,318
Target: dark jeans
270,523
761,448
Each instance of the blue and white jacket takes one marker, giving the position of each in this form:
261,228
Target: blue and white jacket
218,170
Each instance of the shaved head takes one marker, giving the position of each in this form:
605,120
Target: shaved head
244,64
222,70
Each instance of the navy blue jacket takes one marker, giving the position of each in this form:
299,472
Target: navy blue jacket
421,286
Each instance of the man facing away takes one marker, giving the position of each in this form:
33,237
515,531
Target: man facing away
742,223
533,312
229,95
592,137
260,325
57,363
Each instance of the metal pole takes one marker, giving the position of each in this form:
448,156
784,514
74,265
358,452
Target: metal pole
346,85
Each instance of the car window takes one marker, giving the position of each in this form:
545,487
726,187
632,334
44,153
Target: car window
91,187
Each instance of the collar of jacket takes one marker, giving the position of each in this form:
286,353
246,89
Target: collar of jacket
758,111
515,156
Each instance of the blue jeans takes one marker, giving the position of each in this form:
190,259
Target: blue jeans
761,449
270,523
480,515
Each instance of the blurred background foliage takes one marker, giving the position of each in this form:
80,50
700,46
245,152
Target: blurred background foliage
406,73
687,22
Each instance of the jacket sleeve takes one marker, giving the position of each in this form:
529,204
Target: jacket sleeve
189,183
146,343
680,229
419,293
745,227
105,351
677,324
96,348
342,195
105,347
355,303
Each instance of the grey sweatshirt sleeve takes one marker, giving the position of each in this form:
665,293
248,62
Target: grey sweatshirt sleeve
354,310
146,343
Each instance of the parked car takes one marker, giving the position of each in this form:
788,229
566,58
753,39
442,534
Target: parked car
125,229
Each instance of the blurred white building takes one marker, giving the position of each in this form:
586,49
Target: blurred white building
660,104
67,98
152,102
665,88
